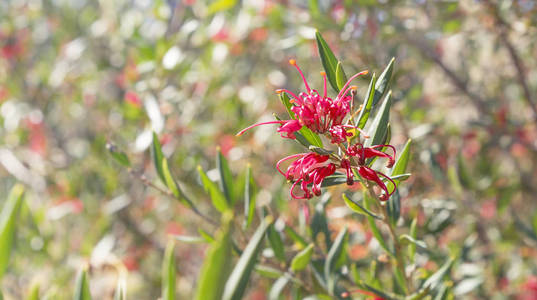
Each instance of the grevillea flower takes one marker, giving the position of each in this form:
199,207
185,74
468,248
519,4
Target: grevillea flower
308,169
320,113
362,153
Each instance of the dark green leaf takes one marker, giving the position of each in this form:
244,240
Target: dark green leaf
341,77
168,272
302,259
82,291
276,243
217,263
295,236
236,284
226,179
336,256
118,155
334,180
156,151
399,168
249,198
368,103
379,127
328,59
373,225
357,208
383,82
218,199
8,220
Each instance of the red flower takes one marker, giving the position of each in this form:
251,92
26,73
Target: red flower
309,168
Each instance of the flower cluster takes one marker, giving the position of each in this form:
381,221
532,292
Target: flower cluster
331,118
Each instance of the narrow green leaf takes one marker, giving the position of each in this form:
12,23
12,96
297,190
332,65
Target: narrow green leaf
284,98
172,184
382,294
118,155
379,127
302,259
383,82
336,256
276,243
295,236
268,272
8,219
82,291
412,247
218,199
33,294
217,263
368,103
311,137
277,288
407,239
205,235
249,197
190,239
437,277
334,180
226,179
341,77
357,208
399,168
373,225
236,284
328,59
156,152
168,272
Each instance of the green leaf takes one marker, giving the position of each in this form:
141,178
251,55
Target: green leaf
295,236
217,263
204,234
357,208
33,294
236,284
156,152
8,220
341,77
336,256
249,198
328,59
284,98
412,247
373,225
217,197
334,180
437,277
302,259
368,103
268,272
407,239
220,5
383,82
277,288
379,127
310,136
118,155
399,168
168,272
276,243
226,179
82,291
172,184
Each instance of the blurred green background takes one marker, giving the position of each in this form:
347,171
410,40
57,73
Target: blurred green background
76,74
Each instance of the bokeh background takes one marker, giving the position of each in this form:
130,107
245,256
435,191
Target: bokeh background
77,74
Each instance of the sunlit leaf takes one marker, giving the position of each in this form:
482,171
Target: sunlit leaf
302,259
336,256
277,288
156,152
367,104
168,272
382,84
357,208
172,184
379,126
118,155
82,291
217,263
341,77
226,179
236,284
328,59
8,219
435,279
33,294
220,5
217,197
268,272
412,247
407,239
